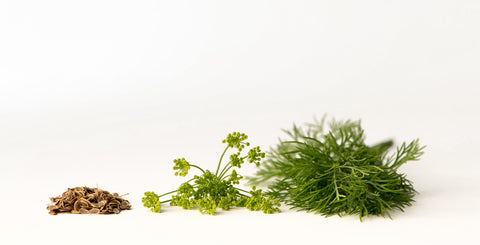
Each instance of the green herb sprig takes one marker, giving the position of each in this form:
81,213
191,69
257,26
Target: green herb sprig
211,190
336,173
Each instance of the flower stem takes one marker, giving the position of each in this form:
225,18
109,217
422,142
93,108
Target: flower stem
225,170
220,161
195,166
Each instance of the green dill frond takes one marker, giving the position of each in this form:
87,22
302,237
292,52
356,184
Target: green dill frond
335,173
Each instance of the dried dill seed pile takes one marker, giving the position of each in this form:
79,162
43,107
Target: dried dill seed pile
84,200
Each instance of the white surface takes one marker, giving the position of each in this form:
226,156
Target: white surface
109,92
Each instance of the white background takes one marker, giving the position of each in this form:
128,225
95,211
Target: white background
107,93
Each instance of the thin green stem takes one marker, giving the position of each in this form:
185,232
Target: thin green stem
220,161
337,195
164,194
225,170
170,192
165,201
195,166
242,190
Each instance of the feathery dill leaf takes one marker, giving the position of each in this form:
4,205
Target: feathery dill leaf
336,173
217,189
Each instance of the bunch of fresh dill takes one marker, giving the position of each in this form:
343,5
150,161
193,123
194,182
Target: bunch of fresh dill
336,173
211,190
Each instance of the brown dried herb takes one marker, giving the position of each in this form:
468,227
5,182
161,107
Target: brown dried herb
84,200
